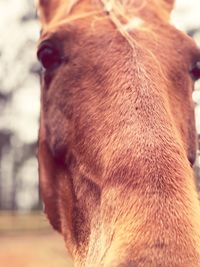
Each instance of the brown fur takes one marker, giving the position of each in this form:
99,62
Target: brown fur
116,136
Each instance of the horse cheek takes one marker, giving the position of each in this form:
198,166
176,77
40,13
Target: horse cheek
57,191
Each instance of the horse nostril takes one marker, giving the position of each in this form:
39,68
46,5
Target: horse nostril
59,153
191,159
63,156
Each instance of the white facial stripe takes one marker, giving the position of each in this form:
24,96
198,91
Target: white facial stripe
134,23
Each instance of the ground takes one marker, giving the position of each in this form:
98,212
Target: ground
28,241
33,250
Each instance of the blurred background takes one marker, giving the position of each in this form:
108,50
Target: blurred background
25,237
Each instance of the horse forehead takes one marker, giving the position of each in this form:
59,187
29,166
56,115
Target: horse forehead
134,23
93,22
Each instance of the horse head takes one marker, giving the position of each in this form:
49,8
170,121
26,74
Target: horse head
117,133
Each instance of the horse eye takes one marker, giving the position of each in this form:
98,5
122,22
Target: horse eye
49,56
195,71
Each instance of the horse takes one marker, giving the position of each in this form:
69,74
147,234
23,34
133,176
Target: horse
117,138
